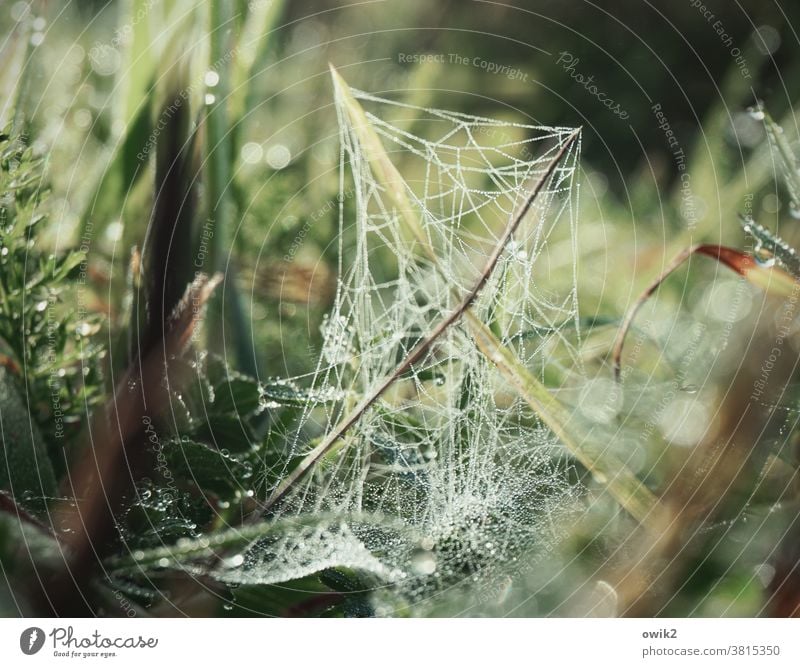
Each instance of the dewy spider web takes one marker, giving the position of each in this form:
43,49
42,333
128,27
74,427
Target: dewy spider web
449,475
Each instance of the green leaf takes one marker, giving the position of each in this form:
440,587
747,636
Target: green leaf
237,396
225,432
25,470
209,469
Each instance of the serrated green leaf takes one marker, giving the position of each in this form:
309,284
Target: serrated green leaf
211,470
237,396
25,469
225,432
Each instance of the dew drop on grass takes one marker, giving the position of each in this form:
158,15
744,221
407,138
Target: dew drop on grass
764,257
756,112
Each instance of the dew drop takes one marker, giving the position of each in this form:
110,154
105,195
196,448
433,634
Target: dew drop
756,112
764,257
423,562
211,78
234,561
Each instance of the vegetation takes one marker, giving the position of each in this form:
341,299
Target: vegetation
272,345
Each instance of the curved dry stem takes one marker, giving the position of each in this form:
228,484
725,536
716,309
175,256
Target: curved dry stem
772,279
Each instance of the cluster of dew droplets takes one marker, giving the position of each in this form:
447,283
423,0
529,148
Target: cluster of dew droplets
449,452
784,154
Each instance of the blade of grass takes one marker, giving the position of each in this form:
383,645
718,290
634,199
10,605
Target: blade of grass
220,146
253,40
16,57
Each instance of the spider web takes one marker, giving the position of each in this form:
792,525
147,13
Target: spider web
449,457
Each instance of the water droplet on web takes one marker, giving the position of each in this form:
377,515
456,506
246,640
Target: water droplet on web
423,562
234,561
209,99
41,306
336,347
